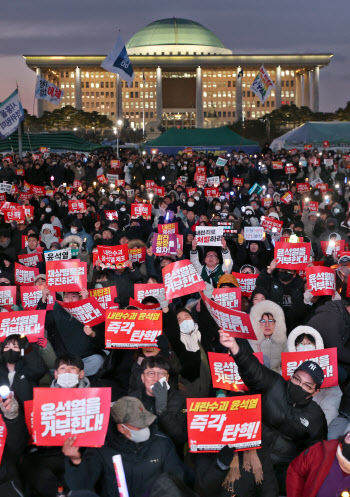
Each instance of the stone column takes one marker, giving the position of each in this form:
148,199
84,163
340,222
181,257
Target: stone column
315,90
278,88
40,103
307,89
199,98
239,104
298,83
78,98
159,95
119,98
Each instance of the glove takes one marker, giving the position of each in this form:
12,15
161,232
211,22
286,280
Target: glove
307,297
161,299
12,410
163,345
208,291
225,456
161,396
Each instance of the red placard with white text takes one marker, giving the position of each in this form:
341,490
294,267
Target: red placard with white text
320,280
3,436
191,191
28,323
129,329
290,169
28,416
311,205
86,311
236,323
30,260
325,143
66,276
105,297
11,215
102,179
339,246
287,198
237,181
211,192
224,371
228,297
111,215
213,423
168,229
7,297
180,278
266,202
150,183
303,187
270,223
25,275
30,296
325,358
38,190
141,210
143,290
277,165
137,254
113,256
59,413
115,163
247,282
292,255
76,206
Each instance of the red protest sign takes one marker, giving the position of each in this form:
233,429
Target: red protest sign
290,169
28,323
37,190
86,311
168,229
113,257
287,198
303,187
23,196
201,179
320,280
3,436
30,296
292,255
59,413
201,170
150,183
180,278
111,215
129,329
143,290
28,417
76,206
228,297
270,223
137,254
322,186
247,282
66,276
164,244
325,358
105,297
141,210
325,143
30,260
159,190
77,184
308,147
277,165
215,422
7,297
191,191
102,179
28,211
211,192
11,215
236,323
266,202
25,275
338,246
115,163
311,205
224,371
237,181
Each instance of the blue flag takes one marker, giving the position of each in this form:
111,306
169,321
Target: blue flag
118,62
11,115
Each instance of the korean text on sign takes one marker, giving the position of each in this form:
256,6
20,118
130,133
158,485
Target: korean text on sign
247,282
215,422
320,280
28,323
180,278
228,297
132,329
25,275
30,296
143,290
66,276
224,371
208,235
105,296
292,255
87,311
7,297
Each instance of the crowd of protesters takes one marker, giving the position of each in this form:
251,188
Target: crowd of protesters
305,449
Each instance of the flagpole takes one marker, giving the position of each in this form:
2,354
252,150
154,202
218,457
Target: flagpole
19,131
143,104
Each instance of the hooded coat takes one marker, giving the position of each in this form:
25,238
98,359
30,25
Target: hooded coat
327,398
274,346
50,238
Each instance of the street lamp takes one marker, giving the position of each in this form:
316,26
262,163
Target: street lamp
119,124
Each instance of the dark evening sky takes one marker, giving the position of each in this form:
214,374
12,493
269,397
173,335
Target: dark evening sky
255,26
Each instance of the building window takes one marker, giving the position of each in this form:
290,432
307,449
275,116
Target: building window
287,83
243,93
62,74
112,84
107,84
248,93
67,74
229,114
268,103
292,83
282,83
112,94
258,103
272,104
219,114
102,84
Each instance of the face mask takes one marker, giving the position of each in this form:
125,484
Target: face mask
67,380
11,356
138,436
218,207
196,198
187,326
74,230
5,244
190,204
184,168
298,395
316,193
74,252
304,348
345,448
285,277
122,209
48,209
148,167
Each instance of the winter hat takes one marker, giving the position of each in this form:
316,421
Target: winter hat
42,276
258,290
45,200
77,224
274,215
248,210
130,410
314,370
269,307
226,279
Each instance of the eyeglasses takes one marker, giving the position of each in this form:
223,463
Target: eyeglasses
267,321
305,386
212,256
154,374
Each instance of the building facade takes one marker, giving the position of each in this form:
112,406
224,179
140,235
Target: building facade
184,77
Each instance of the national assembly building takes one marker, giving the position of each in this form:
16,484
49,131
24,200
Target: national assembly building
184,78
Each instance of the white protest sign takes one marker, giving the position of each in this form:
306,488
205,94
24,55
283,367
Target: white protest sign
213,181
5,188
209,235
253,233
58,255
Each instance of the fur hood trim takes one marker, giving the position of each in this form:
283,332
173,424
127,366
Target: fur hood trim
136,243
299,330
267,306
71,239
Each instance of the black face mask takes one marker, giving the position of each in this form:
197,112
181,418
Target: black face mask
345,448
331,227
285,277
298,395
11,356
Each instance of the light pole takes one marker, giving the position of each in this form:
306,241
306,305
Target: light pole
119,123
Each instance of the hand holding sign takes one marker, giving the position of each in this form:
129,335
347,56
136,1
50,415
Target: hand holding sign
228,341
72,451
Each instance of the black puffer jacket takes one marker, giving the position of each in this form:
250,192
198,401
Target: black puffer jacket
284,295
142,462
288,429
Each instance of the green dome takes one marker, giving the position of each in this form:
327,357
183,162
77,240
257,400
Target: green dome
174,31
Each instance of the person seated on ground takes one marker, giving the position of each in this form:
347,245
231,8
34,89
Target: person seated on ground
211,270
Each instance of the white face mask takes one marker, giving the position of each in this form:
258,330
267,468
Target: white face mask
187,326
190,204
138,436
148,167
48,209
67,380
217,207
123,209
74,230
196,198
304,348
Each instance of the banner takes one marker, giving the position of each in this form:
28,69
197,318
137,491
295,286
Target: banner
118,62
312,206
141,210
224,371
147,307
30,260
262,85
255,233
236,323
287,198
44,90
209,235
290,169
25,275
129,329
30,296
215,422
247,282
102,179
228,297
11,115
164,244
271,224
143,290
86,311
320,280
105,297
292,255
28,323
326,358
7,297
58,255
66,276
191,191
337,245
266,202
168,229
213,181
38,190
3,436
76,206
59,413
220,161
111,215
113,257
180,278
137,254
115,163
